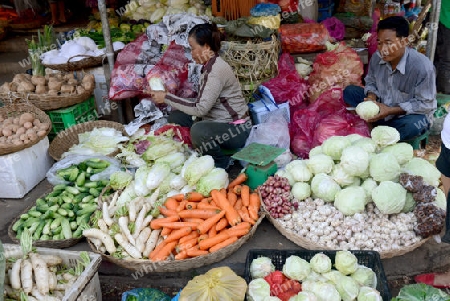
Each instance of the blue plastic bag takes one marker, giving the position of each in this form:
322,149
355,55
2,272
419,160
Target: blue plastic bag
145,294
265,9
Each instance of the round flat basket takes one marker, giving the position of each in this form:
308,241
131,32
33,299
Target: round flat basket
87,61
15,110
69,137
312,245
55,244
179,265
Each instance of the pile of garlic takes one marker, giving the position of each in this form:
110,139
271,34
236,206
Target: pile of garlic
322,223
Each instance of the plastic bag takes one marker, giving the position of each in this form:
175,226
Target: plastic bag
144,294
53,179
265,9
146,111
303,37
324,118
287,85
335,27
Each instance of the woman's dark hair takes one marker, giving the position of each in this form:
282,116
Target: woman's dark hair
396,23
206,34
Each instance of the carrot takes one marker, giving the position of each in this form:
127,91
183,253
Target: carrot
240,179
255,200
178,197
223,191
171,203
194,196
207,200
230,213
156,223
179,225
167,212
181,205
181,255
206,206
212,203
164,252
243,225
245,195
212,232
238,204
238,232
195,251
187,245
194,220
202,237
157,249
232,197
210,222
198,213
253,213
194,234
222,224
223,244
243,213
165,231
177,234
237,189
212,241
191,205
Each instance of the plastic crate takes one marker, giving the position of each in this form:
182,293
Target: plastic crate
65,118
370,259
325,13
325,3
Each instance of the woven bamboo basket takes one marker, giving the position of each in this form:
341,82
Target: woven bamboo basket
312,245
179,265
17,109
31,24
69,137
87,62
252,61
55,244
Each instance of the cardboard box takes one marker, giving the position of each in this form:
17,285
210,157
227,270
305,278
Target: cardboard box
23,170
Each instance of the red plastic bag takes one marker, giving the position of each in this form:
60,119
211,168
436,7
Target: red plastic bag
324,118
288,85
303,37
180,133
286,5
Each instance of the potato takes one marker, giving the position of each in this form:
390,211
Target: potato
29,131
44,126
41,133
23,137
41,89
26,86
80,90
28,125
54,85
69,76
67,89
72,82
3,139
88,78
32,136
7,132
36,122
5,88
26,141
21,131
18,78
14,127
38,80
17,142
26,117
88,85
53,92
16,121
13,87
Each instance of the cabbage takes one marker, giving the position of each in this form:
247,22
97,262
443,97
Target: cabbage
258,289
157,15
324,187
320,263
261,267
299,170
140,181
350,200
365,276
120,179
320,163
341,177
369,185
177,182
164,187
215,179
440,200
345,262
296,268
174,160
367,110
410,203
348,288
421,167
402,151
323,291
333,276
385,135
366,144
301,191
334,146
127,195
368,294
158,172
286,174
160,147
384,167
354,160
315,151
315,277
198,168
354,137
389,197
304,296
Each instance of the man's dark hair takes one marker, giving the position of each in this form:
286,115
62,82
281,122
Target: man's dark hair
396,23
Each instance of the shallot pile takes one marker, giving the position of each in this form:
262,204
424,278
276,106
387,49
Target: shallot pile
276,194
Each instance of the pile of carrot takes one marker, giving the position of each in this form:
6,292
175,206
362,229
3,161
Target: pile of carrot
195,225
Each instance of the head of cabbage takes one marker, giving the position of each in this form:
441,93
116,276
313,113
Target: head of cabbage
367,110
345,262
350,200
389,197
324,187
261,267
296,268
384,167
320,263
385,135
354,160
334,146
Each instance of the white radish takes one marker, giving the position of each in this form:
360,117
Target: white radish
108,220
147,221
139,221
40,273
132,211
52,281
42,297
14,277
96,242
69,277
128,247
102,249
105,238
151,242
152,199
114,200
102,225
26,276
112,210
142,239
123,224
51,260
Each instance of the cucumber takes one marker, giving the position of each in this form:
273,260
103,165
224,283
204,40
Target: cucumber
40,202
97,164
77,233
62,211
72,190
58,229
55,223
87,209
95,192
42,208
88,199
93,184
24,216
66,230
81,179
46,229
45,237
47,215
34,213
67,206
73,225
67,199
38,232
59,187
17,225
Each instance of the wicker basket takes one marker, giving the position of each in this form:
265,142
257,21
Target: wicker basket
312,245
179,265
36,23
17,109
55,244
252,61
69,137
85,63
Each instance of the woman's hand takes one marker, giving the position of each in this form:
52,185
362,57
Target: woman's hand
158,96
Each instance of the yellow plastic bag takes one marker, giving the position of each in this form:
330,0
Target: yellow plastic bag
218,284
272,22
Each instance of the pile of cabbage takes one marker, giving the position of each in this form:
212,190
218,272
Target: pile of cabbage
154,10
348,280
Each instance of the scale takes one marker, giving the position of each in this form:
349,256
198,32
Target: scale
260,159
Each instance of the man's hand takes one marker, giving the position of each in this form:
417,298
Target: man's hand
158,96
384,112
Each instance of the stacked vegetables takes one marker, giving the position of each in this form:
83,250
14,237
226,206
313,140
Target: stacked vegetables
22,129
64,212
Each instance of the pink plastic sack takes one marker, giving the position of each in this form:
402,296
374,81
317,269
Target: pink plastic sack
324,118
335,27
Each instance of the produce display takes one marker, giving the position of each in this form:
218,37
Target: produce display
314,280
34,276
303,37
50,84
356,193
64,212
21,130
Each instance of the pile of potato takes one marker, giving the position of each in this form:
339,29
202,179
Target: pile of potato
51,84
22,129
